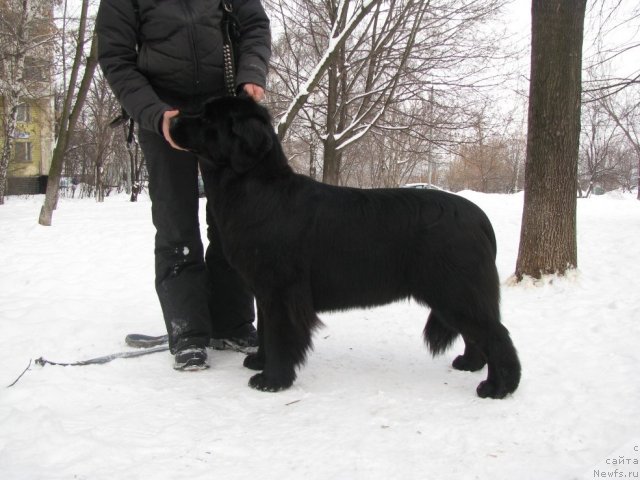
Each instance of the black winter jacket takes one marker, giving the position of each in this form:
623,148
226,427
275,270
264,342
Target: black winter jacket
179,61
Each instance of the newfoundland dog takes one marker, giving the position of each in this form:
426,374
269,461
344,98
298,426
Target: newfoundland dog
305,247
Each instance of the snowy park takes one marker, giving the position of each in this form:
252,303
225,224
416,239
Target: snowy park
369,404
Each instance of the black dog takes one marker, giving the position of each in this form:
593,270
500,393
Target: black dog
305,247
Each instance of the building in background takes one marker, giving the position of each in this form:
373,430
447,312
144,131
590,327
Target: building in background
34,137
33,147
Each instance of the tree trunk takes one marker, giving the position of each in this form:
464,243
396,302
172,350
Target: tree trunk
331,163
98,182
331,156
312,159
7,148
99,173
14,91
133,177
137,182
68,122
548,234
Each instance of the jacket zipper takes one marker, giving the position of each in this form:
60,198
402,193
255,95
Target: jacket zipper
192,37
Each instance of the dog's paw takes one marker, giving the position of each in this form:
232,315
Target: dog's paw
466,364
262,383
253,361
489,389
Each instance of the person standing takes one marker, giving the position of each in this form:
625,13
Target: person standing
163,57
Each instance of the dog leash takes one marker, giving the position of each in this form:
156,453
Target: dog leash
230,30
92,361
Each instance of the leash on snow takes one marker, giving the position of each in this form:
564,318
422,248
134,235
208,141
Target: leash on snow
93,361
20,376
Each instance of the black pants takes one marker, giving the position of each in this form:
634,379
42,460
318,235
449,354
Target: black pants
201,296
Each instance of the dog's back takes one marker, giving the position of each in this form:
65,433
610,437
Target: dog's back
371,247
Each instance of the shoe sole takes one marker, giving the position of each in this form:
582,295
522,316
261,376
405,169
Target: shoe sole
190,368
192,364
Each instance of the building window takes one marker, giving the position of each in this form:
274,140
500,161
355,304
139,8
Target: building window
24,115
36,69
23,152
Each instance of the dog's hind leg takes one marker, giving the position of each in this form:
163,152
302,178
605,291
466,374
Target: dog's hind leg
471,360
504,367
471,305
439,336
486,338
288,321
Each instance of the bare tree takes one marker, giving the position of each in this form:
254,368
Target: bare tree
26,34
397,53
612,67
70,112
101,107
103,155
136,161
482,168
610,153
627,117
600,147
548,233
346,16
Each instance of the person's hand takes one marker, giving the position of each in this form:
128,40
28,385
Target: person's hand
166,123
254,91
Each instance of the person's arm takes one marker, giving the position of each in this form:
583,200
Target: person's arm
116,26
254,44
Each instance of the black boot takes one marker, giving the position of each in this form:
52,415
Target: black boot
191,358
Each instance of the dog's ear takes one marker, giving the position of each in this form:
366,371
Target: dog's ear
255,141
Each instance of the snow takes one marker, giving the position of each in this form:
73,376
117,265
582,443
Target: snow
369,404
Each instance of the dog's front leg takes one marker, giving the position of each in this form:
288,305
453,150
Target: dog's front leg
287,322
256,361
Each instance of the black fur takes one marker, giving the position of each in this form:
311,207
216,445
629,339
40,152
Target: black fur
305,247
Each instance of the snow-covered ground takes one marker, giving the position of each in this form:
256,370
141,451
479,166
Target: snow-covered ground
370,403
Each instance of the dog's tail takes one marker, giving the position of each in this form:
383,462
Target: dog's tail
437,335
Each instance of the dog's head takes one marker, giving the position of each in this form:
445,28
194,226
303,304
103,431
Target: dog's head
232,132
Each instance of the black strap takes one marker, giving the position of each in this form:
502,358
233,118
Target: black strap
229,35
124,115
